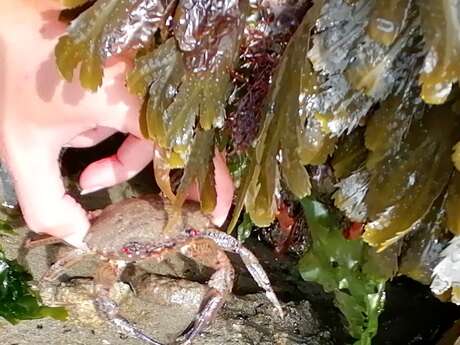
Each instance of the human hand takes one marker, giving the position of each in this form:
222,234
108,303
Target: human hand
40,113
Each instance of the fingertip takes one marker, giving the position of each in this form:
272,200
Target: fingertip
64,219
44,203
98,175
132,156
225,189
76,240
193,192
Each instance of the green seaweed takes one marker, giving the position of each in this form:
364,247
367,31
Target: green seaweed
245,228
17,300
343,267
6,228
237,164
241,192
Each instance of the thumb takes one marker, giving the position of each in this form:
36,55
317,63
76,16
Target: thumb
44,203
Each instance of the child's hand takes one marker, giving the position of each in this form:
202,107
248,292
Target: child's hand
40,113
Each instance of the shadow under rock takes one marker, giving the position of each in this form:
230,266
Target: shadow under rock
289,286
413,316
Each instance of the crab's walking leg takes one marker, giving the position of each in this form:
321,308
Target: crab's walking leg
107,275
58,268
231,244
31,241
38,240
206,252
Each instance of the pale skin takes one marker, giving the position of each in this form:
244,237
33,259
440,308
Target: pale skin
40,113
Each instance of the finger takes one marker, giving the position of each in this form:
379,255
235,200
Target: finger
224,189
132,156
44,203
91,137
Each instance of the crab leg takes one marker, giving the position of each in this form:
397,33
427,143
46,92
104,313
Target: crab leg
231,244
109,309
33,240
107,274
58,268
38,240
207,253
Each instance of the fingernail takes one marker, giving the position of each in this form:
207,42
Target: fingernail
76,240
90,190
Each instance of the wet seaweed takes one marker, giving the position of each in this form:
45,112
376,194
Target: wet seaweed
17,300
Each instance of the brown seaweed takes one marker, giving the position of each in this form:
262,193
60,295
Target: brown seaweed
107,28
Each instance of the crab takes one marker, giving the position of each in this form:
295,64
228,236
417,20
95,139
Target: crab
136,229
